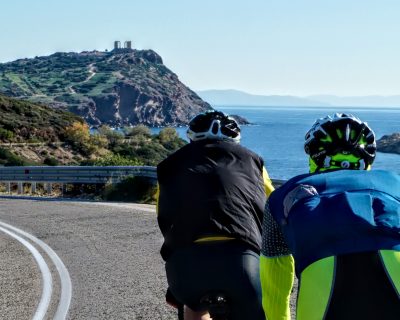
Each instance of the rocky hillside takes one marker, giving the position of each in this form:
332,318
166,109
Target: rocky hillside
121,87
23,121
33,134
389,143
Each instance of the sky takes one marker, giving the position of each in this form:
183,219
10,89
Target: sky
283,47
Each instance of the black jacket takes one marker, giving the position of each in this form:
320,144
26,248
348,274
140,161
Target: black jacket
210,188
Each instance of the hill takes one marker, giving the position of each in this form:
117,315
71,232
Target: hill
32,134
35,134
121,87
359,101
23,121
240,98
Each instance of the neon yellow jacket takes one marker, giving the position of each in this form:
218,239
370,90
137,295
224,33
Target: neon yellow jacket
276,272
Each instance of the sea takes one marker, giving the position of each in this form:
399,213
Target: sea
277,134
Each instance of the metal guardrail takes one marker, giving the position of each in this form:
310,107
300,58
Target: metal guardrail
74,174
77,174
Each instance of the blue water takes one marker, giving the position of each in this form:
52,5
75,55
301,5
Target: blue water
277,134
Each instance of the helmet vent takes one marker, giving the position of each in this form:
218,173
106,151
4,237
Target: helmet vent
347,132
215,127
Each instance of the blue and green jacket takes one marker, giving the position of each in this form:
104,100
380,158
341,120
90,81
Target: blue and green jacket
331,222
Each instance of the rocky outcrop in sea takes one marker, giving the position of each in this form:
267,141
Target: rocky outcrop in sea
389,143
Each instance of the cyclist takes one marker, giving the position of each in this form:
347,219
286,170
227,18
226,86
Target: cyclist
212,195
340,224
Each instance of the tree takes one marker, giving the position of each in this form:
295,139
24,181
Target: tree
170,139
79,137
77,134
113,137
167,135
139,130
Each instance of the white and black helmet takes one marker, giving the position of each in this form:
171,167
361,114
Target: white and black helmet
213,125
341,134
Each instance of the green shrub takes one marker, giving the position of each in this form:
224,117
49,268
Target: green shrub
6,134
7,158
117,160
139,130
167,135
170,140
152,153
132,189
50,161
113,137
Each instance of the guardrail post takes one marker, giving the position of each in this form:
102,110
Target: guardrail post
33,187
20,188
49,188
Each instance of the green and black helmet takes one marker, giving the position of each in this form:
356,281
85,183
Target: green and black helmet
213,125
340,142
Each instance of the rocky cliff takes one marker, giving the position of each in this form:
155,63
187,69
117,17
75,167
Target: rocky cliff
121,87
389,143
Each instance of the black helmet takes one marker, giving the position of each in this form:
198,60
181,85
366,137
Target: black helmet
213,125
341,141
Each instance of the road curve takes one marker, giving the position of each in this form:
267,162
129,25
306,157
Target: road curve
47,282
65,280
110,251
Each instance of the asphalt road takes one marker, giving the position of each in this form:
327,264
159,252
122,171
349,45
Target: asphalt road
110,250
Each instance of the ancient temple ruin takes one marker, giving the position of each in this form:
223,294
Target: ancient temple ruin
127,45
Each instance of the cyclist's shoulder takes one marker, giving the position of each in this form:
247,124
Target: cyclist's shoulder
242,151
240,147
292,182
177,155
332,177
339,181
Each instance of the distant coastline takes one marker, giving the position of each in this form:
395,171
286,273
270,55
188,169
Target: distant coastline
236,98
383,108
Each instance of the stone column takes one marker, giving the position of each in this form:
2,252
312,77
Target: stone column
8,187
33,187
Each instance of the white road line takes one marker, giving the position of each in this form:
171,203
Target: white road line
46,276
134,206
66,285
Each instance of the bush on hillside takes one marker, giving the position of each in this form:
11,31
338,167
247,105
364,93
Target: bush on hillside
169,138
7,158
6,135
139,130
116,160
113,137
132,189
50,161
78,136
77,133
